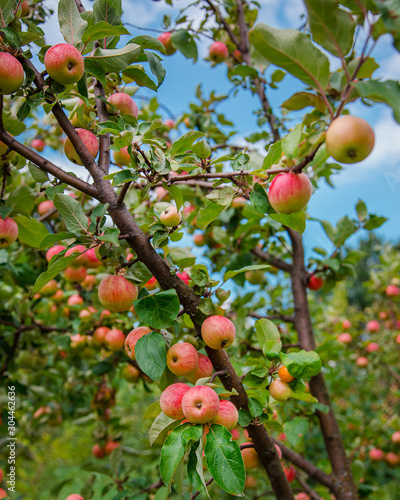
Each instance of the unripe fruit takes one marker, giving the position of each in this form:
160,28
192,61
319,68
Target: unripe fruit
8,232
75,274
88,139
165,39
64,63
114,339
349,139
227,415
171,400
11,73
203,369
170,217
315,283
289,193
130,373
372,347
376,454
255,277
51,252
182,358
290,473
373,326
251,482
122,157
218,332
133,337
392,291
198,240
284,375
200,404
250,458
218,52
116,293
99,335
362,361
24,9
344,338
280,390
49,289
38,144
124,103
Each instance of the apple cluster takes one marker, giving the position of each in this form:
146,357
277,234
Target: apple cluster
279,388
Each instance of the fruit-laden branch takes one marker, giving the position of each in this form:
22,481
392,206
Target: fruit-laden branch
271,259
346,489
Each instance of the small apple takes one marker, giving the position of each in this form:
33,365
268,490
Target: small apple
165,39
391,458
392,291
55,250
98,451
99,335
279,390
88,139
171,400
203,369
346,324
184,277
124,103
250,458
372,347
199,240
75,274
349,139
376,454
122,158
112,445
284,375
45,206
256,277
373,326
89,282
49,288
290,473
362,361
64,63
289,193
315,283
169,123
218,52
302,496
133,337
227,415
24,9
238,202
75,300
235,434
152,284
79,261
8,232
344,338
170,217
11,73
200,404
3,493
218,332
38,144
251,482
182,358
130,373
396,437
1,475
91,261
75,496
114,339
117,293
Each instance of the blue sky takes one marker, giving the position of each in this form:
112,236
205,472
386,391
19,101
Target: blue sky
376,180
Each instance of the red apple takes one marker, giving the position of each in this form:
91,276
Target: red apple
199,240
284,375
250,458
124,103
11,73
75,300
38,144
79,261
171,400
346,324
88,139
51,252
89,282
396,437
117,293
64,63
227,415
344,338
392,291
75,496
372,347
315,283
170,217
362,361
152,284
391,458
302,496
91,261
203,369
8,232
112,445
200,404
98,451
289,193
218,52
376,454
279,390
218,332
290,473
235,434
75,274
182,358
45,206
184,277
373,326
24,8
169,123
122,158
114,339
133,337
349,139
99,335
165,39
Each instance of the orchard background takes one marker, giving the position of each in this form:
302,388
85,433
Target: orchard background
163,184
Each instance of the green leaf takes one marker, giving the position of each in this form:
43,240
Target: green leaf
50,239
102,367
140,77
7,11
224,460
362,210
182,257
115,60
344,229
273,156
151,355
268,336
176,194
296,221
184,42
107,10
55,267
111,235
222,196
294,52
302,364
387,92
290,144
160,428
259,199
72,213
230,274
102,30
374,222
155,66
202,149
255,407
21,200
195,468
304,396
209,213
158,310
330,26
152,411
38,174
72,26
30,231
296,429
148,42
185,142
302,100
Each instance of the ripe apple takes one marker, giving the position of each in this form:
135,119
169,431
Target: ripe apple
169,123
203,369
315,283
349,139
199,240
45,206
239,201
75,300
112,445
49,288
133,337
344,338
250,458
88,139
284,375
8,232
117,293
11,73
392,291
89,282
227,415
75,274
99,335
165,39
182,358
170,217
290,473
124,103
218,332
346,324
122,158
235,434
55,250
218,52
38,144
362,361
3,493
152,284
396,437
78,340
114,339
91,260
171,400
376,454
278,451
184,277
280,390
289,192
373,326
200,404
1,475
75,496
98,451
130,373
302,496
64,63
372,347
79,261
391,458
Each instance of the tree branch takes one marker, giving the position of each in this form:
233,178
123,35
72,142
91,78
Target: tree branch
275,261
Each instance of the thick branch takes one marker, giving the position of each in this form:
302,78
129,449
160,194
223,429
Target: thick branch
104,140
